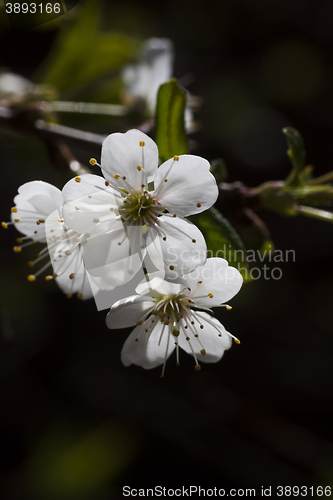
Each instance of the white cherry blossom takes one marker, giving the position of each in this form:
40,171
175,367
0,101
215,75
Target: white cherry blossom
37,215
154,67
170,316
143,79
140,206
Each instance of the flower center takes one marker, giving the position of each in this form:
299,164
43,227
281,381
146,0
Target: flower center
140,208
170,310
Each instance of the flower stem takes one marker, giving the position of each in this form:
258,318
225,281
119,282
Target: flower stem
315,213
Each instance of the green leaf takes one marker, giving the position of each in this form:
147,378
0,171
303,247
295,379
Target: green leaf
222,239
170,136
296,153
82,53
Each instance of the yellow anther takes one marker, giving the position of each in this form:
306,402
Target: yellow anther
198,205
116,176
154,199
197,368
78,179
80,295
69,295
139,168
31,263
92,161
31,278
77,208
16,220
89,196
71,276
48,278
203,352
17,249
165,180
139,322
228,308
55,276
13,209
176,158
60,220
142,143
210,295
18,240
4,225
237,341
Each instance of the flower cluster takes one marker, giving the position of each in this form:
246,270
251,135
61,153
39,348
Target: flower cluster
101,230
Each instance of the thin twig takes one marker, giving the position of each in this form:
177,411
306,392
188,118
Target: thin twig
87,107
69,132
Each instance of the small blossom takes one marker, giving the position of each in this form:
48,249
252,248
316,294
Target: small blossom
37,215
170,316
140,206
143,80
154,67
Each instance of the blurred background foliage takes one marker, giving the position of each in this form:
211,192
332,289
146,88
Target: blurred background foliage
75,424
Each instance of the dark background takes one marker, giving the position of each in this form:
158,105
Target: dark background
74,422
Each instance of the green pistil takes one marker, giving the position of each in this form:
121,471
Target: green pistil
168,314
140,206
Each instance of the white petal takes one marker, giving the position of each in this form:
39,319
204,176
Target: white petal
209,338
150,350
183,249
116,264
88,184
122,154
128,311
28,217
190,187
35,201
80,284
44,197
216,278
70,265
90,207
158,287
106,295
